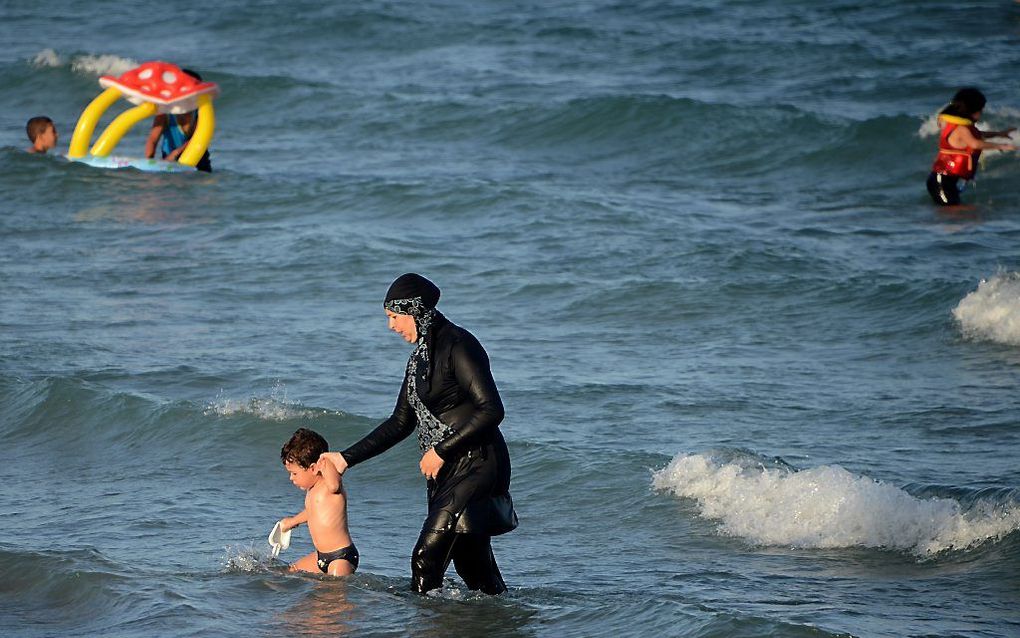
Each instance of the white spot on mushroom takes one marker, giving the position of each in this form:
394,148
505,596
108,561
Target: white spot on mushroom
169,77
145,74
166,93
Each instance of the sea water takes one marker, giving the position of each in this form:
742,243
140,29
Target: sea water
756,385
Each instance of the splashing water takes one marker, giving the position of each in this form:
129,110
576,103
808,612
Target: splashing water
275,407
993,310
827,506
247,559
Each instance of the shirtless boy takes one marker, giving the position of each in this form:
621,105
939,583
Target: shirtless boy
42,133
325,510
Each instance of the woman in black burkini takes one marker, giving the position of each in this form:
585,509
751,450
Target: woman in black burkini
449,396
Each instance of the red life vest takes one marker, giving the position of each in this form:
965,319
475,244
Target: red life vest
957,162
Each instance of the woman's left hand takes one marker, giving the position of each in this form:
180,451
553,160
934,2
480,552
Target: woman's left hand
337,459
431,463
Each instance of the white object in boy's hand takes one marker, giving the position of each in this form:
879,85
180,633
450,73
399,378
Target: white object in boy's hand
279,540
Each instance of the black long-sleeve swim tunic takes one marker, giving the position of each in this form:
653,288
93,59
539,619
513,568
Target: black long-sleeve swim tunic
471,493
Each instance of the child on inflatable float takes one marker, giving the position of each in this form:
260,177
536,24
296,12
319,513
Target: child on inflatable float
176,132
156,89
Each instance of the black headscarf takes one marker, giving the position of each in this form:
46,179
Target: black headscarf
412,294
411,285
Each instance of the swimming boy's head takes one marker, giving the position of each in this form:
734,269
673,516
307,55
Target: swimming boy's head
300,454
41,132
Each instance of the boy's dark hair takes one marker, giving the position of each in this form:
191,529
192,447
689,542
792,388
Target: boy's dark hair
193,74
304,448
966,103
36,126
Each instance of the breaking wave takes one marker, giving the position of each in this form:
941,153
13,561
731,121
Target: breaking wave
992,311
103,64
828,506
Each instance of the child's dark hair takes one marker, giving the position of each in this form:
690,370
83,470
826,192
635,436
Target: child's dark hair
304,448
966,103
37,126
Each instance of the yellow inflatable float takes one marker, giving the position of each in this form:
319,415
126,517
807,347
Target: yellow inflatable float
154,87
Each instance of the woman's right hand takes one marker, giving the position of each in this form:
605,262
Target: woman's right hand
337,459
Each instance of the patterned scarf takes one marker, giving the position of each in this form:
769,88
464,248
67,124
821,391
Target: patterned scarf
430,429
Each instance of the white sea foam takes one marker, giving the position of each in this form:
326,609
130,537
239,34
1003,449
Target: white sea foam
827,506
929,126
1007,115
85,64
275,407
993,310
47,58
102,64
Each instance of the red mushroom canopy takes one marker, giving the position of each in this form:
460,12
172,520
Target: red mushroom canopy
163,84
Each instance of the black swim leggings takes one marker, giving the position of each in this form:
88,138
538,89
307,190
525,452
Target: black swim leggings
471,555
944,190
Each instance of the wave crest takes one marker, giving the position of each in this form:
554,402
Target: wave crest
827,507
102,64
275,407
993,310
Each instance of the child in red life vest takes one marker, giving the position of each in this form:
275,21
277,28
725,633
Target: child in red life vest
960,146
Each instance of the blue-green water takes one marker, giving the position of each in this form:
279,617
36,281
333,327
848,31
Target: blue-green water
755,384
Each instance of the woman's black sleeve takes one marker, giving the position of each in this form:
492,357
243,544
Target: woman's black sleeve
471,368
387,434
